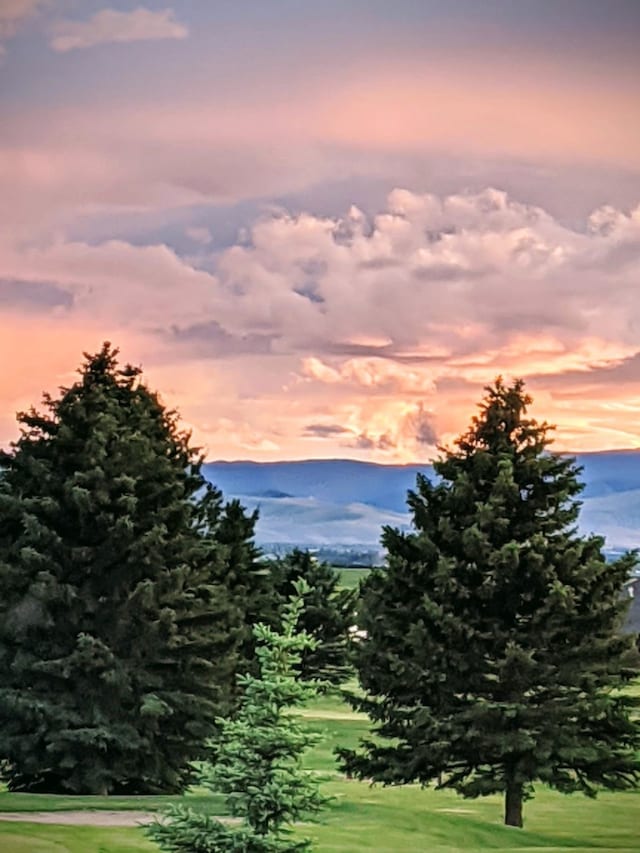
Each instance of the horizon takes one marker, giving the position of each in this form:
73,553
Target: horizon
617,451
322,229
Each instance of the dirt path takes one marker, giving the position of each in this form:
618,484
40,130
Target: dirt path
83,818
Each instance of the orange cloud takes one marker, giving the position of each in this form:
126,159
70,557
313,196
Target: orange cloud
352,324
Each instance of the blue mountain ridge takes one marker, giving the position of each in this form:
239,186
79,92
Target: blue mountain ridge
330,502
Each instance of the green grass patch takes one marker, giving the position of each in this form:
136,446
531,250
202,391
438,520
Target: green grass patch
350,578
362,818
40,838
197,798
385,820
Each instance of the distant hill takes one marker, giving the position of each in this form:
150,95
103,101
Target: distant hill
344,502
335,481
610,472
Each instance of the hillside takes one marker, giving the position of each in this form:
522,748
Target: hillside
344,502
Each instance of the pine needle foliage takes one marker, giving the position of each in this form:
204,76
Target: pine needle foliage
493,656
118,631
258,762
328,613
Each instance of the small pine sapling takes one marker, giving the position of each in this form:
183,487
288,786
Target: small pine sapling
258,764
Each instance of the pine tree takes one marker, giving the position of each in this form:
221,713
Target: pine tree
328,613
249,580
492,653
258,760
118,634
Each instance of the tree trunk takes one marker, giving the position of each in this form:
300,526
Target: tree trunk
513,804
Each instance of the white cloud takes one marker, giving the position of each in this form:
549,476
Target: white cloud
433,279
468,281
111,26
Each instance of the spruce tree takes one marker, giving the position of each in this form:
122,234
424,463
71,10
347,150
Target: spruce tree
493,658
248,578
328,613
258,757
118,633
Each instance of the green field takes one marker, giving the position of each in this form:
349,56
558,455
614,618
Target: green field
363,818
54,803
350,578
32,838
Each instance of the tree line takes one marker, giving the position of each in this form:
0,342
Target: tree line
490,655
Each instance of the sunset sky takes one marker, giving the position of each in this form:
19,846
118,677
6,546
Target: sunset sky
322,226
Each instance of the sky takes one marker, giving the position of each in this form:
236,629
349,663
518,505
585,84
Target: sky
322,228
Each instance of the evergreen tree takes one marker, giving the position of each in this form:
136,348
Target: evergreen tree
328,613
258,761
118,634
248,578
492,654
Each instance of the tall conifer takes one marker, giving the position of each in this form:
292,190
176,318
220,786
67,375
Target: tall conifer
249,580
118,634
492,656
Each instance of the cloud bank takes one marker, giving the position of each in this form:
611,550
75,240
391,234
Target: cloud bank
360,335
322,228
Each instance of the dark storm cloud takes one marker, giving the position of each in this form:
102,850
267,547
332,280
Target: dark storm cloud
324,430
625,371
210,340
33,295
366,442
420,426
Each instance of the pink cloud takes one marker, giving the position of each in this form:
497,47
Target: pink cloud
109,26
243,141
383,327
354,322
14,12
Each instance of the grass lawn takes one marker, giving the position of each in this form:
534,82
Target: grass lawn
350,578
364,818
60,803
34,838
398,819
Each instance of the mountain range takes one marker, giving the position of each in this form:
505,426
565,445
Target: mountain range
340,502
